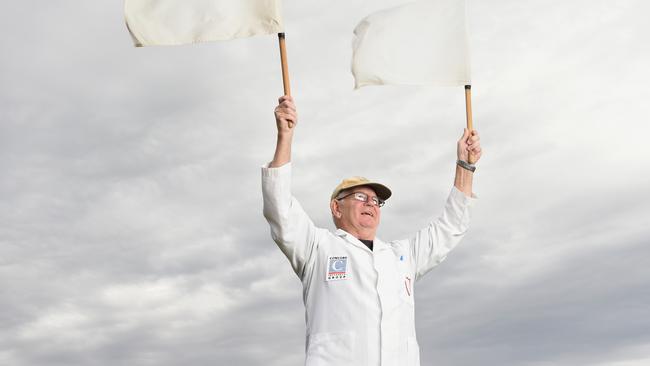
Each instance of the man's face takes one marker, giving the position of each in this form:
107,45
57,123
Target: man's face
357,214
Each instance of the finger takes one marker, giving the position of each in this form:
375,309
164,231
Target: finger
285,109
288,105
288,112
286,117
465,135
285,98
291,116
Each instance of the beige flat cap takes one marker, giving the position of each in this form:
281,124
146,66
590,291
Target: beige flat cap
382,191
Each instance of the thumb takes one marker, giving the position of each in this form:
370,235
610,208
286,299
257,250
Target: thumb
465,135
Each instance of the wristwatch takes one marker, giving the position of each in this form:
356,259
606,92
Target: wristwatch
465,165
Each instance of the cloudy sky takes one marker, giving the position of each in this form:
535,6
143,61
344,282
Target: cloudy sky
131,230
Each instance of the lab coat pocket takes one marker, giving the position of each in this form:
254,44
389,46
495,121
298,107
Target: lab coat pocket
413,352
407,290
407,279
326,349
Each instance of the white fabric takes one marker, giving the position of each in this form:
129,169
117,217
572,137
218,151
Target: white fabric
174,22
421,43
368,317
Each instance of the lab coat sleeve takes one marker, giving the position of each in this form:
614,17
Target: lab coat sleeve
291,228
431,245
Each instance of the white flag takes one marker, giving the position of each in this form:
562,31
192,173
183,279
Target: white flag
174,22
421,43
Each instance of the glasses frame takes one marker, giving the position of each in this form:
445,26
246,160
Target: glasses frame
359,197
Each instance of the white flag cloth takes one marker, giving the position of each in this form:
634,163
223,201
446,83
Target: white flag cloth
174,22
421,43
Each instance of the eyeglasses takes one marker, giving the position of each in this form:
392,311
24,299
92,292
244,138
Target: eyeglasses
360,196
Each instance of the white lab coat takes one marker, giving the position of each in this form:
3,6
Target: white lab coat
359,303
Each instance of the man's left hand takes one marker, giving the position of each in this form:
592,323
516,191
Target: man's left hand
469,147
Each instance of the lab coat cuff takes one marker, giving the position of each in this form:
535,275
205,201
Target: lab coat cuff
461,198
268,172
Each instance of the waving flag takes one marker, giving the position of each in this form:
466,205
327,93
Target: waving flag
424,42
175,22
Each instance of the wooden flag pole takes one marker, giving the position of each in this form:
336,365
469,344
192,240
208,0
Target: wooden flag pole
285,67
468,106
468,111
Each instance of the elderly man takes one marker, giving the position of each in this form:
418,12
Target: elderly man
358,289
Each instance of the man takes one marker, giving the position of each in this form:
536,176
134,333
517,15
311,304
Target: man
357,289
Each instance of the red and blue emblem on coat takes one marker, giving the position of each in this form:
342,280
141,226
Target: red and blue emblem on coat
337,268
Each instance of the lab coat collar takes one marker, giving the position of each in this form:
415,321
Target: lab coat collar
377,244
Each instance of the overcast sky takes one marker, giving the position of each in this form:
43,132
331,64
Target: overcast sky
131,230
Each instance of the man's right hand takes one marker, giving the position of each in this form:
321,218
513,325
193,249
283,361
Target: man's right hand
286,116
286,119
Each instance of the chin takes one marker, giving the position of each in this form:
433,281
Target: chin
369,224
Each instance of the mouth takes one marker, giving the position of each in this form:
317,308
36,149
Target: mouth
368,214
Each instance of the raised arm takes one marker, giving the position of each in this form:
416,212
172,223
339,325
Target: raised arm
431,245
291,228
286,119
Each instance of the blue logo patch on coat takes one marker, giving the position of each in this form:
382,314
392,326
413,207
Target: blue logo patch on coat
337,268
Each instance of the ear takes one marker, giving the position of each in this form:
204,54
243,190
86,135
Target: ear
334,207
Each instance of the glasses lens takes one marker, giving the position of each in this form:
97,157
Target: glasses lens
360,196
